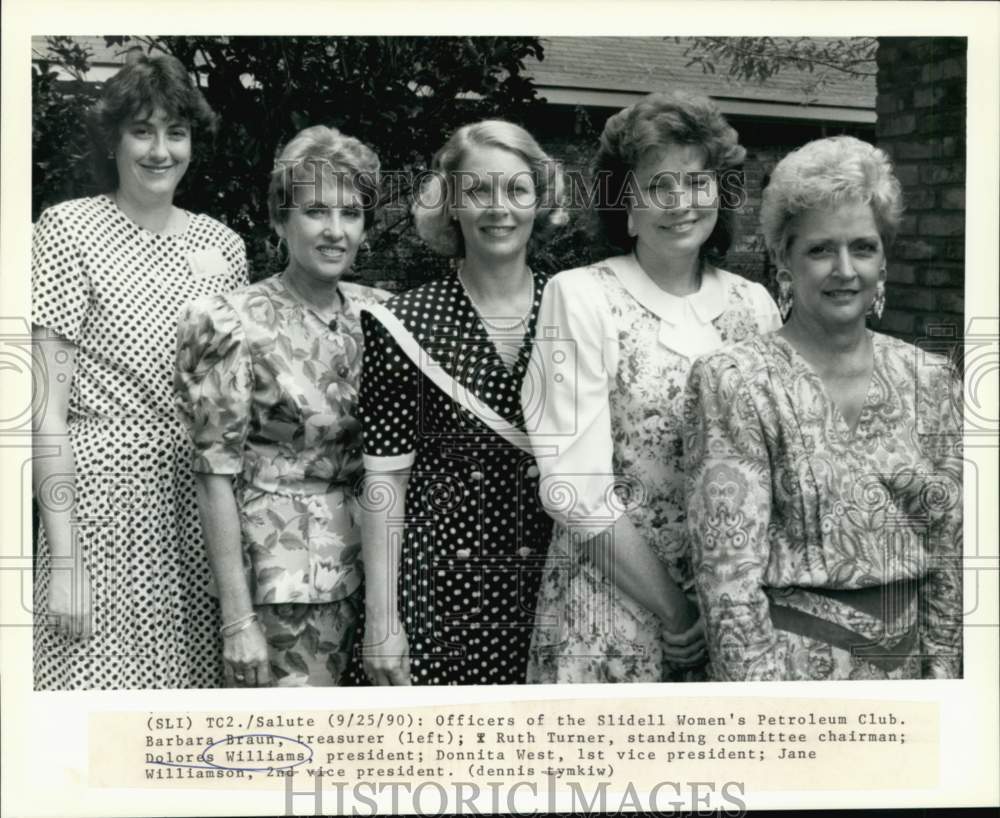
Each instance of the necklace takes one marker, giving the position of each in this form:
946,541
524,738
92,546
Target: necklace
491,322
324,314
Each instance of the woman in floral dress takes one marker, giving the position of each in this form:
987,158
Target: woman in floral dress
121,570
615,344
267,384
825,494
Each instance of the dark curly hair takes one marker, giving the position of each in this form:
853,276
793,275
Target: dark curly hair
652,124
142,85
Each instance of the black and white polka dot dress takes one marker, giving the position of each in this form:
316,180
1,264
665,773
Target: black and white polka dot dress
115,290
475,533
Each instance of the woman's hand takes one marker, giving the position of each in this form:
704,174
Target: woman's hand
245,657
386,657
70,611
685,648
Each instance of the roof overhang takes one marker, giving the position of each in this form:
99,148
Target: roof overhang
598,98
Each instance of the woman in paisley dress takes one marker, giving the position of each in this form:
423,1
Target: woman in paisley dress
121,567
451,595
615,343
824,460
267,384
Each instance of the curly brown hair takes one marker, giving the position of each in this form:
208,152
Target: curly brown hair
142,85
651,124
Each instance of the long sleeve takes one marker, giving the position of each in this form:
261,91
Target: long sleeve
565,401
213,384
940,427
729,507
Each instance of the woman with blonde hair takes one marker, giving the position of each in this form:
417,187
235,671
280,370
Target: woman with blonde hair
824,460
267,384
454,535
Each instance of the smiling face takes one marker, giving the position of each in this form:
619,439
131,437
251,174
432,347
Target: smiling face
152,155
324,228
676,207
495,204
835,257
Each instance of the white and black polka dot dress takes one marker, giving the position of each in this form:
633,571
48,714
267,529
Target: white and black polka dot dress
475,533
115,290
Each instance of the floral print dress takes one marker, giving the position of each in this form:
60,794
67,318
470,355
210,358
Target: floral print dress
823,552
612,355
268,392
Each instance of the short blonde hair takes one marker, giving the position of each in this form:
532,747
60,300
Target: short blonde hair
432,206
315,149
827,173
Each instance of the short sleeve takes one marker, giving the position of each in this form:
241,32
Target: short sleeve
729,507
389,400
60,287
564,398
213,384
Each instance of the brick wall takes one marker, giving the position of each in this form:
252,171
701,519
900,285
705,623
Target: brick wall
921,107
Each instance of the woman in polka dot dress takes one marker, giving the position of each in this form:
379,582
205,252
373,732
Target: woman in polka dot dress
454,536
122,581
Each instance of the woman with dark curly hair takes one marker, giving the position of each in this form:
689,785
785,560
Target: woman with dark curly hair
122,570
267,385
617,341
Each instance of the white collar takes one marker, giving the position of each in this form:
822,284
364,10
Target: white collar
708,303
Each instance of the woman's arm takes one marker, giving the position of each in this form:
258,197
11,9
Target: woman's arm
386,651
55,473
729,510
571,437
245,652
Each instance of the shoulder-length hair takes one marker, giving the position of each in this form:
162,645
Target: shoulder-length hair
653,124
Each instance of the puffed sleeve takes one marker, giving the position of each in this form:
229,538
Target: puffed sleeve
389,400
729,507
940,429
564,396
213,384
60,287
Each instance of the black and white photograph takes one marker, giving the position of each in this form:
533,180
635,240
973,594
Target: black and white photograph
605,364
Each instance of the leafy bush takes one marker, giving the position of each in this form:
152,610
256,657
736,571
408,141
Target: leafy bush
401,95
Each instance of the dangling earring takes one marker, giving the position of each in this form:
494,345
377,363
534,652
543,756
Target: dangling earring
630,226
878,303
278,253
785,297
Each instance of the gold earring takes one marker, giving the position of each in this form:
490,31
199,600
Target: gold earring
785,297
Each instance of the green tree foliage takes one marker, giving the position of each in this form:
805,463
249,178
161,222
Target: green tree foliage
401,95
59,145
757,59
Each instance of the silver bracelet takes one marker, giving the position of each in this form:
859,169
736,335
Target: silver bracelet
237,625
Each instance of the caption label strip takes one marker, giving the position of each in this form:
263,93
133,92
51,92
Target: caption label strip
767,744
